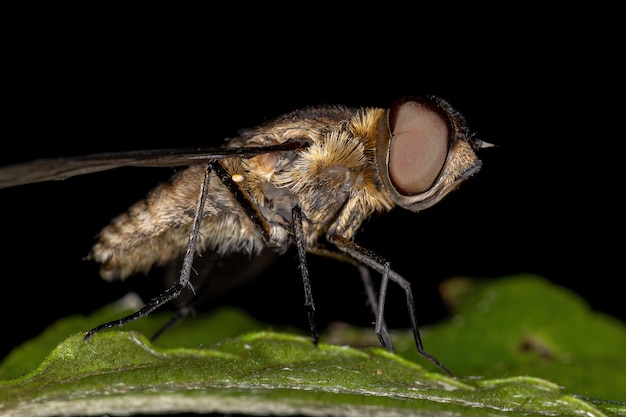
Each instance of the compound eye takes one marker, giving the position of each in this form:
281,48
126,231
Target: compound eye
420,135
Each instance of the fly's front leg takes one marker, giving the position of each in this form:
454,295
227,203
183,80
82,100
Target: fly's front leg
298,234
382,266
370,291
351,249
185,273
380,325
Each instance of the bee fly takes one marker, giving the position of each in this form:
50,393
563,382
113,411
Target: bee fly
308,178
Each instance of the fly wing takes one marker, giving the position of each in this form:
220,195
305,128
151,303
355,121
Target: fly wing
62,168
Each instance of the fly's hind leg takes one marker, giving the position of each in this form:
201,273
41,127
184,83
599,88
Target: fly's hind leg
183,282
216,276
382,266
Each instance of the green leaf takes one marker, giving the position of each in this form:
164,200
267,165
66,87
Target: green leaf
524,325
230,363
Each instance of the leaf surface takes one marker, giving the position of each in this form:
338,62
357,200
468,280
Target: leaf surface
229,363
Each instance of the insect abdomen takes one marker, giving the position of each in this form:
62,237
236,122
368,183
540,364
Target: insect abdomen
156,230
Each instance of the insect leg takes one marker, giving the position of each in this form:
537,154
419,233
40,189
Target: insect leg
181,312
382,297
187,306
381,326
175,290
368,284
382,266
298,232
251,209
253,213
216,276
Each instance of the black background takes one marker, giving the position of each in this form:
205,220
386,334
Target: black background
541,84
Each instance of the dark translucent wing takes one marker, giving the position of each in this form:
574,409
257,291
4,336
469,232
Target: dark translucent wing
61,168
